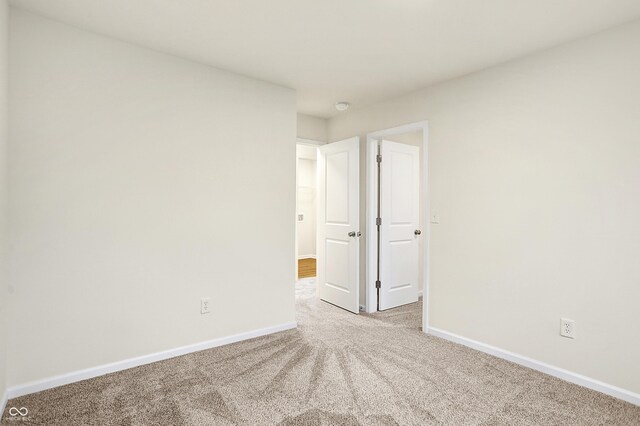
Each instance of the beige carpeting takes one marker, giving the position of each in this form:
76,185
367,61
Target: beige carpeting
335,369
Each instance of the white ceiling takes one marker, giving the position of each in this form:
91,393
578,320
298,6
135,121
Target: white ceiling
361,51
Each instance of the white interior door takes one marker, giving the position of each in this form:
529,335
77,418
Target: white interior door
399,230
338,223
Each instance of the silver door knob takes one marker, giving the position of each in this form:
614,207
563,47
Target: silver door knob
354,234
417,232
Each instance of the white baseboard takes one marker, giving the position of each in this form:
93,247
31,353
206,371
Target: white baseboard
551,370
3,403
76,376
306,256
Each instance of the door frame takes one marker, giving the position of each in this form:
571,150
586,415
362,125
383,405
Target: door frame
308,142
371,212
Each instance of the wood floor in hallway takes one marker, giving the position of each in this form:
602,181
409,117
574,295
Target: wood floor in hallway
306,268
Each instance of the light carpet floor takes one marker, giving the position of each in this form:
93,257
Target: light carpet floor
335,369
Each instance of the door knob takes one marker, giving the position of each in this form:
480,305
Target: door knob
417,232
354,234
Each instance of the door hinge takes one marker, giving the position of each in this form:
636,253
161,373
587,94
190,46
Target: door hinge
378,284
379,158
378,221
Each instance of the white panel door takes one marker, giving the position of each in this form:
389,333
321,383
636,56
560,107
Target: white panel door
399,233
338,223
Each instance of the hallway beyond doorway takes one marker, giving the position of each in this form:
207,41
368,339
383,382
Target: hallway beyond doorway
306,268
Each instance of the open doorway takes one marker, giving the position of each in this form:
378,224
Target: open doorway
306,208
397,218
412,139
328,221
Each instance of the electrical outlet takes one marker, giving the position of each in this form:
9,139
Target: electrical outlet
568,328
205,306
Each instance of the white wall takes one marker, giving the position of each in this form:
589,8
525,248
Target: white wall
135,178
4,40
307,207
534,168
313,128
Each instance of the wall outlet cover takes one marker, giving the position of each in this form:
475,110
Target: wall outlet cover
567,328
205,305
